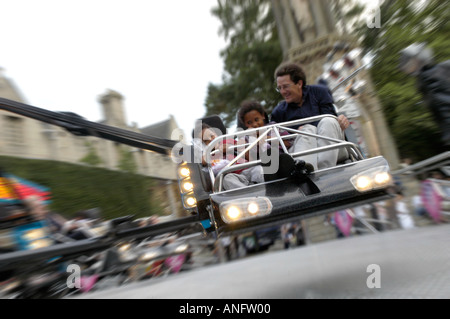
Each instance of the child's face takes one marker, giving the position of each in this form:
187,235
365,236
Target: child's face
254,119
208,135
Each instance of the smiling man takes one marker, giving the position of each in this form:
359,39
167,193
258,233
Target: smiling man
302,101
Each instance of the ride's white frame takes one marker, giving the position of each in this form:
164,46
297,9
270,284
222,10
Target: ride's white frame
262,133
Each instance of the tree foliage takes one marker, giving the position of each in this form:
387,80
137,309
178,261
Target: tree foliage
402,23
348,14
252,54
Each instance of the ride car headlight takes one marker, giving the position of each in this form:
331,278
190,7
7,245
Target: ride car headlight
187,186
148,256
181,248
374,178
189,201
34,234
183,172
124,247
233,212
40,243
245,208
363,183
382,178
253,208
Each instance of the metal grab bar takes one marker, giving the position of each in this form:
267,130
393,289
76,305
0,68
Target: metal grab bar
429,164
262,134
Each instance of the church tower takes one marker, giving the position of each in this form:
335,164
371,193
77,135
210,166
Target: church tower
113,110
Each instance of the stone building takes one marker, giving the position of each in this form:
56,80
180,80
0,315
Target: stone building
28,138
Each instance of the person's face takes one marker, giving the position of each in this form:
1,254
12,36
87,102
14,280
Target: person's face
253,119
291,92
208,135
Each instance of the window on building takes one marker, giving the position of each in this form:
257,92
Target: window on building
14,134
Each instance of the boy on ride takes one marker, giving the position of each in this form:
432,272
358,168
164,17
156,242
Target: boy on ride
223,156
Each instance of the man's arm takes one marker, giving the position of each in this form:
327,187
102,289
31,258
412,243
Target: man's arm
327,107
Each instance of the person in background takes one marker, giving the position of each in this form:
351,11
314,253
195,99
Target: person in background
433,80
404,217
40,210
81,226
418,206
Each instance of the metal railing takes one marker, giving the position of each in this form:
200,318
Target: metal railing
427,165
270,134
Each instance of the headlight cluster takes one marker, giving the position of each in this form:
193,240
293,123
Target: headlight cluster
374,178
163,252
186,187
40,243
149,255
34,234
181,248
36,238
245,208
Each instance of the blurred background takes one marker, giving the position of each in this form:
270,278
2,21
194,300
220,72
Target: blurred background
353,47
331,39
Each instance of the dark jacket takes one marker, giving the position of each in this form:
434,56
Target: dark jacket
434,83
317,100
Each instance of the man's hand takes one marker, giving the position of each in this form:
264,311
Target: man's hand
343,122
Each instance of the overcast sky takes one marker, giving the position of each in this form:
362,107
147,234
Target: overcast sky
160,55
